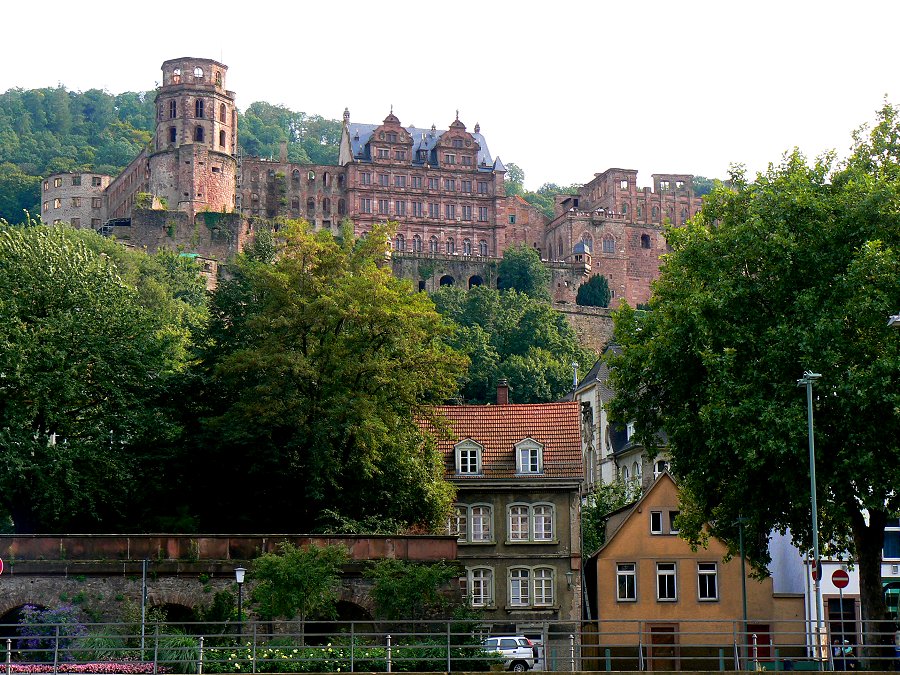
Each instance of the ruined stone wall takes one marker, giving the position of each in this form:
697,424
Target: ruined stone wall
593,325
314,192
193,178
121,193
74,198
212,235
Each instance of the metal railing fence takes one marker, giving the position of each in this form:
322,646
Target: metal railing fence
435,646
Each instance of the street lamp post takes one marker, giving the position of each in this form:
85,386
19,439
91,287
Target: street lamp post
239,578
807,381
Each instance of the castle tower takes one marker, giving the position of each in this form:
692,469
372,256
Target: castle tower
193,166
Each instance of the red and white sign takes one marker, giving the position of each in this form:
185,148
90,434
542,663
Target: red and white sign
840,578
1,565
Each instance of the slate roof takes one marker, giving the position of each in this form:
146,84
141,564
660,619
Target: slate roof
423,139
497,428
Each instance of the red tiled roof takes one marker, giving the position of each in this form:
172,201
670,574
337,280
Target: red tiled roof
498,428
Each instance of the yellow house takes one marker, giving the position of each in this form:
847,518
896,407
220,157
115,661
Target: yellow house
662,604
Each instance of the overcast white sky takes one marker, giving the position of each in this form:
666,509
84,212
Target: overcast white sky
564,89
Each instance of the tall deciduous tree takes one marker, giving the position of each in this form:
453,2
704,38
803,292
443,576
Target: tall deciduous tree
317,363
82,362
511,335
796,271
522,270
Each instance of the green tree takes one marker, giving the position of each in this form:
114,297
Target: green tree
82,363
510,335
514,180
522,270
298,582
796,271
19,192
408,591
315,368
594,292
597,507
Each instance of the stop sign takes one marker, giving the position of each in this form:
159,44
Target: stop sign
840,578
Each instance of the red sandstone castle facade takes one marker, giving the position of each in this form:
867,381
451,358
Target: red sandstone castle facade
443,188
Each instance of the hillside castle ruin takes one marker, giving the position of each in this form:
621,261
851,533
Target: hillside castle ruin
192,191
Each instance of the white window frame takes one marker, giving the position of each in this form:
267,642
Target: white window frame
656,527
531,523
673,514
667,570
624,573
529,457
468,446
480,586
542,586
520,580
542,517
457,523
518,519
481,521
707,571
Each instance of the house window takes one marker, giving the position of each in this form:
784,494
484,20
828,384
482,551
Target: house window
400,208
543,586
466,212
173,109
417,243
198,108
659,467
518,587
626,582
466,186
481,586
482,248
450,185
892,539
449,158
432,183
365,178
400,181
400,243
417,182
384,153
673,528
433,245
707,586
417,209
76,201
400,155
656,522
76,180
457,523
529,457
434,210
482,522
384,180
609,245
384,206
468,458
482,214
512,218
530,522
450,210
96,181
365,205
482,187
472,523
666,590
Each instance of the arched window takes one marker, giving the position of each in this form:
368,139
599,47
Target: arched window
467,247
636,471
295,204
222,113
625,474
198,108
609,244
311,176
588,240
222,139
433,245
482,248
655,213
295,174
446,280
645,241
326,206
198,134
451,246
417,243
400,243
624,208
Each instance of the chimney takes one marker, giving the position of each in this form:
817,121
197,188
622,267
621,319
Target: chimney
503,392
282,152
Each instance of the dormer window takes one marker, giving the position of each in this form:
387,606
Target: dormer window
468,458
529,456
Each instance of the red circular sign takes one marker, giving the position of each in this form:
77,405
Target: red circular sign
840,578
1,565
816,571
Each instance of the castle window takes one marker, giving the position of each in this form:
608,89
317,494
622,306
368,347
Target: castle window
342,207
384,206
384,180
466,212
96,181
684,215
434,210
222,113
609,245
417,243
433,245
457,143
176,76
76,180
400,155
365,205
451,246
198,108
449,158
655,213
400,243
57,182
310,206
219,80
679,184
384,153
311,176
295,204
418,209
392,137
664,185
76,222
482,248
640,211
222,138
57,203
450,210
96,202
326,206
624,208
467,247
326,179
623,184
400,181
467,160
400,207
198,134
198,72
645,241
173,109
512,218
482,214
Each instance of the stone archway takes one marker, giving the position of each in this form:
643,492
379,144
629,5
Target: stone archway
475,280
447,280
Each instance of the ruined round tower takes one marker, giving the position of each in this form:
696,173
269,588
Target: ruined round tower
192,164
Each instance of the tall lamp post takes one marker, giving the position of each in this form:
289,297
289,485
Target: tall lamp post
239,578
807,381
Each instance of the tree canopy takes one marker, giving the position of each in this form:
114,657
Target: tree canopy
594,292
88,345
510,335
522,270
315,365
794,271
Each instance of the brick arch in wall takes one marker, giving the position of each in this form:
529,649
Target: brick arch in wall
13,600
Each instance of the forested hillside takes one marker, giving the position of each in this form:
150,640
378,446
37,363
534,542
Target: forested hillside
45,131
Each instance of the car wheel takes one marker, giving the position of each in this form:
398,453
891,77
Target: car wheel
519,667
